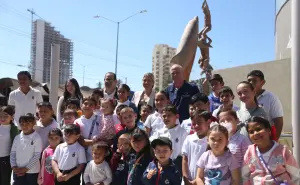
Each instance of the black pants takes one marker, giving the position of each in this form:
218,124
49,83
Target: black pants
178,164
27,179
72,181
5,171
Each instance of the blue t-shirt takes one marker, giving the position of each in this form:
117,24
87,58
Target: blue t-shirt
214,102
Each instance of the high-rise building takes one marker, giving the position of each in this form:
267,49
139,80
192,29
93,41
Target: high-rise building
43,35
161,56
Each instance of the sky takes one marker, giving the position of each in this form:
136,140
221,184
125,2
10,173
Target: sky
242,33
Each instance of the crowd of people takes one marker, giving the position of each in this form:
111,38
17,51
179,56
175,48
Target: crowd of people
171,137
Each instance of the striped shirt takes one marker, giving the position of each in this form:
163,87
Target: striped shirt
238,145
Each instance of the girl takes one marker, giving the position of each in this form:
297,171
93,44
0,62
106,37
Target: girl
217,165
154,121
145,111
123,94
238,143
46,175
25,153
246,94
8,131
266,161
69,117
72,90
140,158
46,122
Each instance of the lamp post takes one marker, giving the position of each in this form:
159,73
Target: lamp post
83,74
118,25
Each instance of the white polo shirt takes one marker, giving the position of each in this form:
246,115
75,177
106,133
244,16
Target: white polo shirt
85,128
271,104
44,131
26,147
177,135
193,148
69,156
24,103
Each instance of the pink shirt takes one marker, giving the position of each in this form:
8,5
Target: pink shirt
47,174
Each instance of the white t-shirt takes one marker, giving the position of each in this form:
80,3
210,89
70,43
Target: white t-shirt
24,103
177,135
5,141
25,148
266,156
69,156
187,125
97,173
193,148
85,127
44,131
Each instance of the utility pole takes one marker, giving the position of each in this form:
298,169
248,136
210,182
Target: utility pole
32,12
54,80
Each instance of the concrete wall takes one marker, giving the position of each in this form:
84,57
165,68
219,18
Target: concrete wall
278,81
283,30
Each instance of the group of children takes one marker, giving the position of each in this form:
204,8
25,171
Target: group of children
111,144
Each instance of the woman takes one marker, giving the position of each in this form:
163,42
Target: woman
72,90
147,95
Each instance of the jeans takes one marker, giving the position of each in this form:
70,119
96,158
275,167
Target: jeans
27,179
5,171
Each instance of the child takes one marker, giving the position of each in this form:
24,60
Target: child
217,165
195,145
140,159
216,83
162,170
46,175
128,117
154,121
97,94
119,126
226,98
69,116
173,131
74,104
108,131
46,123
198,101
266,161
90,125
8,132
123,94
238,144
120,159
246,93
98,171
25,153
145,111
69,158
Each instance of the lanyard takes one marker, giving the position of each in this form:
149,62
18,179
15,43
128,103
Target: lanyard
132,169
158,177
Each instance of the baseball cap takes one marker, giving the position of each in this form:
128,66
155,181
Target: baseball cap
257,73
163,141
217,77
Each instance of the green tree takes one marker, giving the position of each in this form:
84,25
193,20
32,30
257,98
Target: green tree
99,85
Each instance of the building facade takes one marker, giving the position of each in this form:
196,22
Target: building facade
43,35
283,29
161,56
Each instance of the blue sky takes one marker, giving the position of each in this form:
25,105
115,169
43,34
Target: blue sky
242,33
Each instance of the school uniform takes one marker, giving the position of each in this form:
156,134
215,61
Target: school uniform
68,158
120,166
25,152
193,148
44,131
169,175
96,173
24,103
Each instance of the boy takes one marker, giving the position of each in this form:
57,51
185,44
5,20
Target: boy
74,104
69,158
69,116
162,170
198,102
145,111
120,126
194,146
128,117
97,95
216,83
90,125
173,131
226,98
120,160
25,153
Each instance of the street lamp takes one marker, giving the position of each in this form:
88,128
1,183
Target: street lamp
83,75
118,24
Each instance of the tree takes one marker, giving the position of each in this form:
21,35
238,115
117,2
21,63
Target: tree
99,85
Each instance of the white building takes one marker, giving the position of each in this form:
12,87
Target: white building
161,56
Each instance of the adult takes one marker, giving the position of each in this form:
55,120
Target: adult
267,100
147,96
72,90
110,83
180,92
25,98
